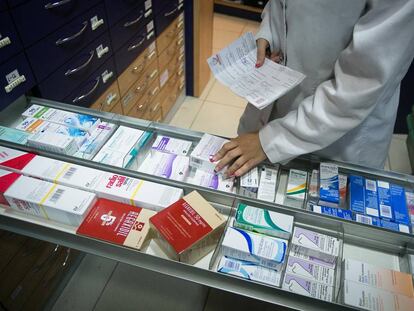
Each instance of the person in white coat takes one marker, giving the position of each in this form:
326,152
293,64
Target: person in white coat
354,54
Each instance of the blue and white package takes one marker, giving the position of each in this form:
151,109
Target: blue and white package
356,194
368,220
384,200
371,198
259,249
332,211
249,271
399,205
329,185
390,225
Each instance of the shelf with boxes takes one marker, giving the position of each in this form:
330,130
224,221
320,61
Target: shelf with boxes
99,54
258,239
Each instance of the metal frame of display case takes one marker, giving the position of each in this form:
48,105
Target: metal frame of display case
359,234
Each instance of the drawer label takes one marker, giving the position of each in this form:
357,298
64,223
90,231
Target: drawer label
164,78
14,79
96,22
148,5
151,48
12,76
101,50
150,26
110,98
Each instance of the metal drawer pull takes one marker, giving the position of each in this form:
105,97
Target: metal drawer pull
5,42
180,42
170,13
128,24
151,55
139,68
133,47
155,91
180,24
181,87
148,13
52,5
15,83
180,72
156,108
79,98
142,87
68,39
110,98
153,74
151,34
75,70
180,58
180,6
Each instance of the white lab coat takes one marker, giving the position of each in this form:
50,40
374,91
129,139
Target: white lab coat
354,54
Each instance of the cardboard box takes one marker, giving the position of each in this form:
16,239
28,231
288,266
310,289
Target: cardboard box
356,194
259,249
409,196
53,142
386,279
297,185
7,178
263,221
172,145
249,271
117,223
399,205
188,229
213,181
14,160
313,191
268,183
311,271
72,119
371,198
382,223
384,200
206,148
333,212
374,299
249,183
306,287
50,201
166,165
13,135
316,244
137,192
296,251
329,185
343,189
368,220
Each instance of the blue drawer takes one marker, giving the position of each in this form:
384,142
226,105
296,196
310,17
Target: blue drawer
9,41
37,18
64,80
94,85
16,79
3,5
117,9
50,53
170,10
130,25
160,5
134,47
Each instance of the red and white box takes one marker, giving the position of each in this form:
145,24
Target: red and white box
117,223
7,178
14,160
188,229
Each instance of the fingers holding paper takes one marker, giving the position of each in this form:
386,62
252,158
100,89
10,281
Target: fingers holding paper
244,152
263,52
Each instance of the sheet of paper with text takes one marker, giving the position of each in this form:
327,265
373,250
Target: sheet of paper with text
234,66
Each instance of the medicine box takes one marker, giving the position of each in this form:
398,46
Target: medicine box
249,271
172,145
314,186
371,198
267,184
211,180
316,244
7,178
117,223
137,192
384,200
14,160
206,148
296,251
329,185
297,185
53,142
410,205
259,249
13,135
249,183
188,229
311,271
332,211
50,201
263,221
356,194
302,286
399,204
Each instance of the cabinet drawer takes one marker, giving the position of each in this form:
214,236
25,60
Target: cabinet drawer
174,53
94,86
172,67
159,5
137,68
130,25
66,42
109,99
16,79
139,109
170,10
3,5
37,18
125,56
176,29
63,81
117,9
9,41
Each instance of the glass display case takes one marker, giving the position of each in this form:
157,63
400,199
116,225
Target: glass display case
358,241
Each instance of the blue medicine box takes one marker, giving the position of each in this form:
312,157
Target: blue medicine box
356,194
399,205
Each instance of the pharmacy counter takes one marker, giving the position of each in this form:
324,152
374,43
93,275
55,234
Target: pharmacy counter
379,246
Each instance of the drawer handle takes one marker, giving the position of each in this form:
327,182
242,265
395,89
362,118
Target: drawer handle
15,83
148,13
151,55
155,108
75,70
139,68
180,24
52,5
81,97
153,74
180,58
76,35
180,42
181,87
155,91
133,47
142,87
129,24
170,13
180,72
5,42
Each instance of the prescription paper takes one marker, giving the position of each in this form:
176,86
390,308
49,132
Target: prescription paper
234,66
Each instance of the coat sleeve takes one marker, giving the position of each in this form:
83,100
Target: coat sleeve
266,31
368,71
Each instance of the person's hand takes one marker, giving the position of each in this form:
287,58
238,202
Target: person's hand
262,52
246,149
